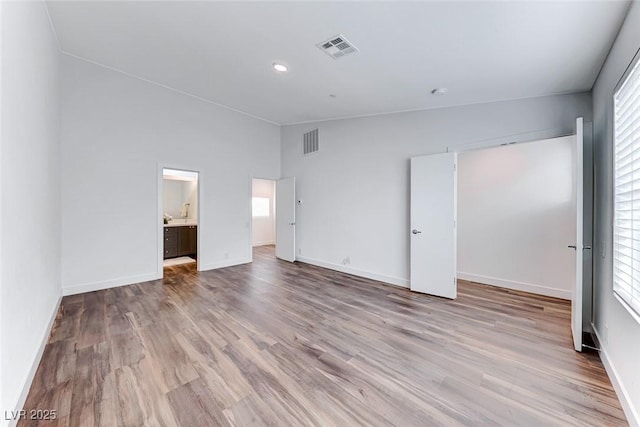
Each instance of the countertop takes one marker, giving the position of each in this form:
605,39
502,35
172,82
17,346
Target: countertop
180,223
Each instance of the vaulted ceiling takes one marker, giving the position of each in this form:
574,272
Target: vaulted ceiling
223,51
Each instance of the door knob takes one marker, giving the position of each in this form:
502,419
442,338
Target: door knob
292,223
586,247
414,231
572,246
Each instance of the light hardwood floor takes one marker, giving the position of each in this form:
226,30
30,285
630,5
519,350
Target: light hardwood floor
273,343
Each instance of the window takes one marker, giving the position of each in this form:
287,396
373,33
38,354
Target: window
626,225
260,206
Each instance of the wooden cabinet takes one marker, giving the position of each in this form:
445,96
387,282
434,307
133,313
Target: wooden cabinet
180,241
170,242
187,240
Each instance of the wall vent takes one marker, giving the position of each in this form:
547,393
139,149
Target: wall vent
310,142
337,46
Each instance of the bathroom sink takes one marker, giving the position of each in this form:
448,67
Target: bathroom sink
180,222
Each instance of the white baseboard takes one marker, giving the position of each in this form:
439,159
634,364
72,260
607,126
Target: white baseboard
263,243
223,264
397,281
107,284
36,361
518,286
633,417
131,280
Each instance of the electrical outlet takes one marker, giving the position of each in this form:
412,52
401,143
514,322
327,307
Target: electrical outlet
226,255
299,251
606,334
346,261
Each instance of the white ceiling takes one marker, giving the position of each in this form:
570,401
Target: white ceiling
223,51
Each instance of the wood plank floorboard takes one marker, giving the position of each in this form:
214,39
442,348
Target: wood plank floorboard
275,343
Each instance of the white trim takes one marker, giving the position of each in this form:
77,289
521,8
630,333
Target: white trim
226,263
273,212
250,240
518,286
625,304
53,28
199,98
108,284
2,339
633,417
160,220
396,281
535,136
270,242
160,235
435,107
36,361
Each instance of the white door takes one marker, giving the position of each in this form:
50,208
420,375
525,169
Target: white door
433,230
576,303
286,219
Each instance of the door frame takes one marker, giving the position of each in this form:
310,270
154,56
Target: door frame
160,213
275,225
512,139
588,195
520,138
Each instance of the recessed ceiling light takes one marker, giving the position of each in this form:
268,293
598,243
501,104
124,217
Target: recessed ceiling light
280,67
439,91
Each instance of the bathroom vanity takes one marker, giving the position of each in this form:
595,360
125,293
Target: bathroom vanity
180,240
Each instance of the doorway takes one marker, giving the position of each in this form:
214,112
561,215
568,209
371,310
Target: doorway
273,217
516,217
180,217
263,213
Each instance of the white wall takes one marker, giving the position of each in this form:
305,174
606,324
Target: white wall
30,195
516,216
619,332
355,191
175,194
111,121
264,228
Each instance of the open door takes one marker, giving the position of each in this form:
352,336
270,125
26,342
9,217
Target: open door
433,228
286,219
576,301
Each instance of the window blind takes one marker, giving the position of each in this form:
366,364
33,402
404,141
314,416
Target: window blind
626,227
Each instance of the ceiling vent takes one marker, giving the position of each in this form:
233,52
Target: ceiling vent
337,46
310,142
